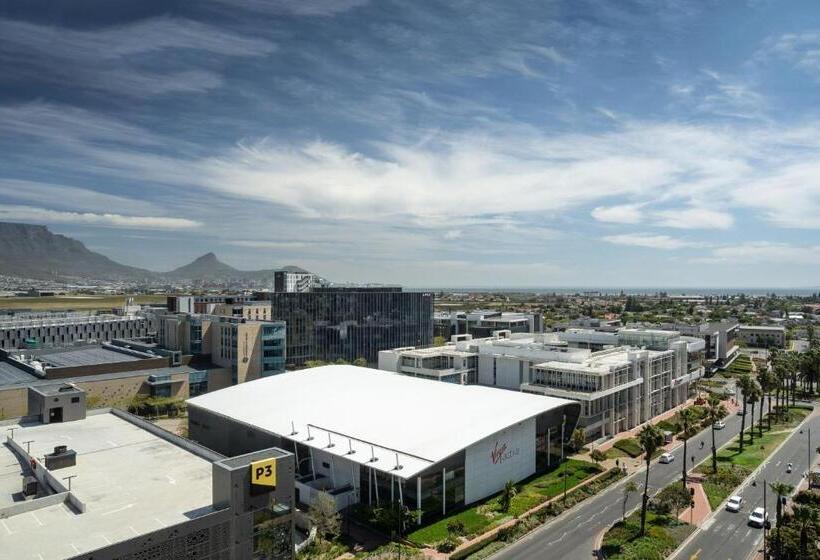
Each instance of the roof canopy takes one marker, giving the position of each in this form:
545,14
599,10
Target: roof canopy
406,424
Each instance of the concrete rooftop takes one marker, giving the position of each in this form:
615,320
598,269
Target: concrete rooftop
131,481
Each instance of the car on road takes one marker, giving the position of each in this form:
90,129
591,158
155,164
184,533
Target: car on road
666,458
720,424
729,392
734,503
758,517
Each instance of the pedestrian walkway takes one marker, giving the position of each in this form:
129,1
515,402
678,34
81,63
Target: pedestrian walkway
695,515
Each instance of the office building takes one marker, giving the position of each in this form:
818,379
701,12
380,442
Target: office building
110,486
483,323
720,339
294,279
768,336
367,436
621,379
333,323
37,330
249,348
203,303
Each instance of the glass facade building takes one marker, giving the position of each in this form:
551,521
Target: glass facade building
330,324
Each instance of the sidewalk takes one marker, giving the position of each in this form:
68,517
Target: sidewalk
701,509
633,465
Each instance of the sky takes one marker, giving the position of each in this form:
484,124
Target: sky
430,144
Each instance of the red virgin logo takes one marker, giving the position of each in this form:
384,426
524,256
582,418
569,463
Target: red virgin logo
497,454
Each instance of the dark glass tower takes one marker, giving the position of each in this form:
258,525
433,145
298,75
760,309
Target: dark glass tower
351,322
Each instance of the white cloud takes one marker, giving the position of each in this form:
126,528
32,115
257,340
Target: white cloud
651,241
101,59
621,214
800,49
15,213
262,244
70,197
693,218
764,252
788,197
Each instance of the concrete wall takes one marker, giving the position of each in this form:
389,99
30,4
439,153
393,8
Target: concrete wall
505,455
13,402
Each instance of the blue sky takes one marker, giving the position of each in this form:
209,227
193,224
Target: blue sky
424,143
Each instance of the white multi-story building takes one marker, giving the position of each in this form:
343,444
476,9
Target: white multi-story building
621,379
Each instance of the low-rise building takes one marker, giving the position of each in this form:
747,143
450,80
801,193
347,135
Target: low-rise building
481,323
110,486
767,336
621,378
371,437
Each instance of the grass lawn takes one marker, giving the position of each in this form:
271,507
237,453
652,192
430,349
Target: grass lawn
663,535
78,302
484,516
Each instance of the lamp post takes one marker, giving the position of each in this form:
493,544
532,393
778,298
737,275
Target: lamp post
765,523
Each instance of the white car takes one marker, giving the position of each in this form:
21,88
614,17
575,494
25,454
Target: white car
666,458
720,424
758,517
734,504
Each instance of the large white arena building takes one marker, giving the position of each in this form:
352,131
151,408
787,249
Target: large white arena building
370,436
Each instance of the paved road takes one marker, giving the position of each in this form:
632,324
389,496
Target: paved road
727,536
571,536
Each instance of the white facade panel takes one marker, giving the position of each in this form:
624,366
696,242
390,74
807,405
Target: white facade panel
505,455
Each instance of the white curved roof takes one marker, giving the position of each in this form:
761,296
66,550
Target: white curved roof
376,413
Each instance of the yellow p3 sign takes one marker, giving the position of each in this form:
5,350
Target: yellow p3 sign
263,473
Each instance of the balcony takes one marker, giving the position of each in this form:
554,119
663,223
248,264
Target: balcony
308,488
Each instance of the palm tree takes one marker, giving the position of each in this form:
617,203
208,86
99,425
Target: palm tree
507,495
754,396
782,490
745,384
651,438
687,420
715,411
768,383
805,517
628,489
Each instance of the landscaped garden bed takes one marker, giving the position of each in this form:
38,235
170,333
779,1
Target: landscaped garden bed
664,534
491,513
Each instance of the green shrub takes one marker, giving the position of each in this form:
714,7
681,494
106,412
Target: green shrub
630,446
447,545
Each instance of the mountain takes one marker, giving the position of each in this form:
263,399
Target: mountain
205,266
32,251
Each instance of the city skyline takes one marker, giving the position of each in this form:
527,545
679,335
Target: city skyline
451,144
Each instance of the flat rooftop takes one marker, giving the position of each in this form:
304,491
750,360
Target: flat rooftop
354,407
131,481
81,356
10,375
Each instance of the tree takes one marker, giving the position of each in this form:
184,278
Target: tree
745,384
630,488
361,362
687,421
781,489
754,396
768,383
578,439
650,438
597,456
715,411
324,517
438,341
805,517
507,494
673,498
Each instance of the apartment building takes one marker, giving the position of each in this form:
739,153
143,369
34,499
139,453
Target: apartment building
482,323
54,329
621,379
